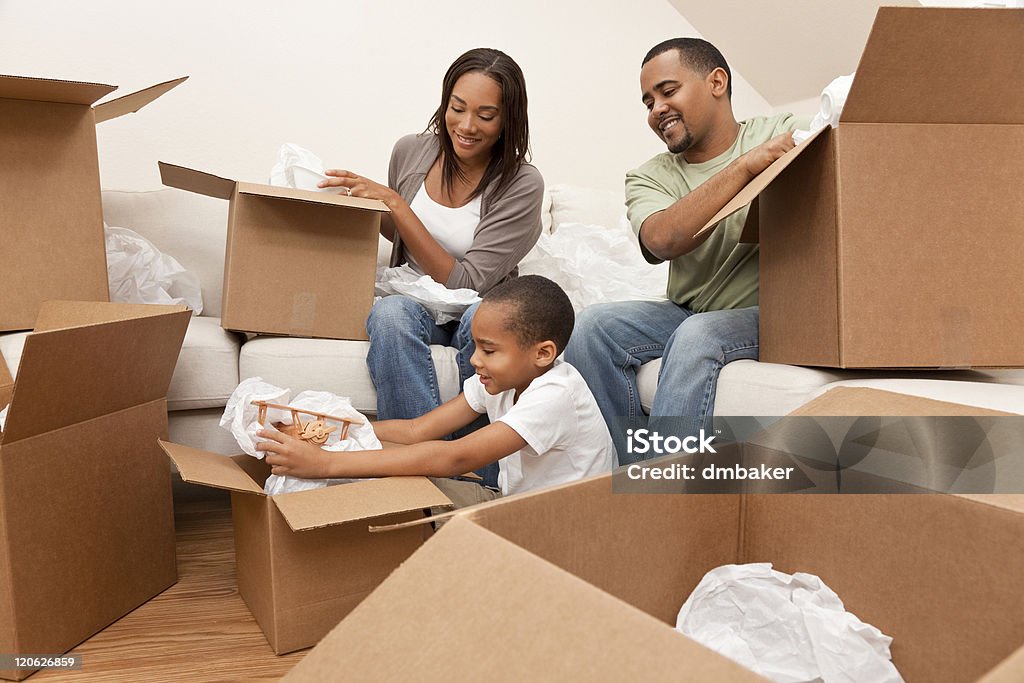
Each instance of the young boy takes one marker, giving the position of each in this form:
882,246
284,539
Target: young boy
545,426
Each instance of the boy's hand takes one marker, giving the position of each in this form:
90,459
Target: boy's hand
293,457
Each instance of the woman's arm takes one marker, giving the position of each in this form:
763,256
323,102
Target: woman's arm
507,232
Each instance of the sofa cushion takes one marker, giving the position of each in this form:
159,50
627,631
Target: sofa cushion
574,204
331,365
207,369
996,390
747,387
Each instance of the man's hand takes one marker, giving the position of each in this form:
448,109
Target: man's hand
762,156
287,455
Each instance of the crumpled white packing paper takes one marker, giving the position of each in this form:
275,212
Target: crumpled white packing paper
299,168
240,418
594,264
444,304
139,273
833,99
788,628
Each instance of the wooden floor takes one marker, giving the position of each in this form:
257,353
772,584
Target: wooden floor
197,630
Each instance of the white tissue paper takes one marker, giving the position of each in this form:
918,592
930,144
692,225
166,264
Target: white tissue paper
138,273
299,168
833,98
593,264
444,304
788,628
240,418
3,417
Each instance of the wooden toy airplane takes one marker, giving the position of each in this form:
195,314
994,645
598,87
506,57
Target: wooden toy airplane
315,431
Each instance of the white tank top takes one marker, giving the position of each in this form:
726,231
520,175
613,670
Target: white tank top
452,228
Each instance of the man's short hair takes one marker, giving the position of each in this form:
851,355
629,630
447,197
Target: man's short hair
540,310
696,53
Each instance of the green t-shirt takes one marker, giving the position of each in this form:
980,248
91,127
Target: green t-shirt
721,273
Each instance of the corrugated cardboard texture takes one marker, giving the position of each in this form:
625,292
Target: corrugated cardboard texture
300,584
87,528
56,315
358,500
1011,670
6,384
940,66
799,258
320,283
199,467
943,581
71,375
196,181
52,90
601,537
53,238
857,401
931,242
310,197
135,101
468,593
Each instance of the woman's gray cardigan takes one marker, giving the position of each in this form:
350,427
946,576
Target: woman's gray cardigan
509,222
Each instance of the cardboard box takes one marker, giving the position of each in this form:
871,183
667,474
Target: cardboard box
306,559
297,262
578,583
50,212
894,240
86,518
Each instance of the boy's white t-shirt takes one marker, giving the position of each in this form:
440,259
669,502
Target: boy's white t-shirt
557,416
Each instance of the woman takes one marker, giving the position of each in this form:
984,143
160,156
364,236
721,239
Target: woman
465,209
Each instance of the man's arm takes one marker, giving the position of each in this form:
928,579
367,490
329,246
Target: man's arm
438,423
290,456
671,233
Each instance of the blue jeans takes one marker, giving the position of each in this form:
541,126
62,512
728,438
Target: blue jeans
611,341
401,367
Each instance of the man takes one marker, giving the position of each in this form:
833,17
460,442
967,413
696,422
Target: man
711,316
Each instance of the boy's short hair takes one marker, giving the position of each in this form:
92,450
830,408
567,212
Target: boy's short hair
541,310
695,53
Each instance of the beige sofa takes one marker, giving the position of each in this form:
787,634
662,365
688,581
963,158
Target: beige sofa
192,228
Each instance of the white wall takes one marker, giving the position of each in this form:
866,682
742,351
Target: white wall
345,78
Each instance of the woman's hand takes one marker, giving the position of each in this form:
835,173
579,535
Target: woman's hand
358,186
293,457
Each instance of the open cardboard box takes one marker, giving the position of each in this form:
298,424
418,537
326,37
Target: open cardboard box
297,262
578,583
86,518
52,219
306,559
894,240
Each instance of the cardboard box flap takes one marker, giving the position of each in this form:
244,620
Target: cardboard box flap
71,375
757,184
858,401
566,630
52,90
359,500
312,197
128,104
940,65
195,181
210,469
58,315
6,384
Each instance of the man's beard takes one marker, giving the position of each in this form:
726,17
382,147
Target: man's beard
682,144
